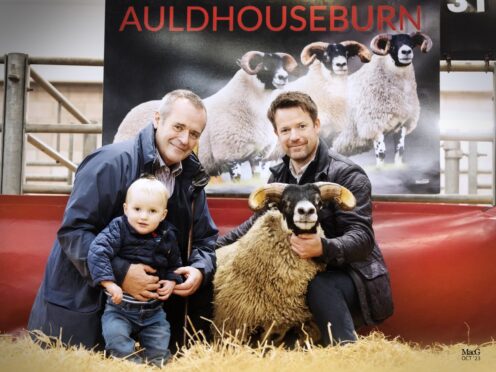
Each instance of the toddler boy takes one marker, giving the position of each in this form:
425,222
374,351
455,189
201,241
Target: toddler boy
141,235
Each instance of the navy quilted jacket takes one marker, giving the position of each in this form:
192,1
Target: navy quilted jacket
158,249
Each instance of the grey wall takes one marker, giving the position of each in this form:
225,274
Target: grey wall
54,28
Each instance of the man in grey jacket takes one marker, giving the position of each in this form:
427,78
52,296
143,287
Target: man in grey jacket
354,290
68,303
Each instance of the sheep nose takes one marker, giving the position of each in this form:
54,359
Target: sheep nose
282,77
341,64
306,211
406,52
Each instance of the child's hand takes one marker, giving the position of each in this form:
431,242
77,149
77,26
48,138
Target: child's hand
165,290
114,290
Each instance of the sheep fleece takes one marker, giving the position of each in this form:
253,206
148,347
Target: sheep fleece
260,280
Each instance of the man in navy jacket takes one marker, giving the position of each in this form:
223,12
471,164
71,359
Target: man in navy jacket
68,303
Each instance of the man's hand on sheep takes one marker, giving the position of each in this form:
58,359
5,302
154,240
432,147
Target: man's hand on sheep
194,278
306,245
139,284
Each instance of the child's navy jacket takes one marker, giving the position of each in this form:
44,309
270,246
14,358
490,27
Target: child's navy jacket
157,249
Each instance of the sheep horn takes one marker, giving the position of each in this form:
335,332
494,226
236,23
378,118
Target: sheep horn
341,195
374,44
355,48
308,53
289,62
244,62
423,40
270,192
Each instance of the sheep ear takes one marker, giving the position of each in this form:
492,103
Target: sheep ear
247,58
380,44
355,48
425,42
341,195
289,62
264,194
309,53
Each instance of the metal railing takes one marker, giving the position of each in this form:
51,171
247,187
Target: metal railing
452,140
18,69
18,72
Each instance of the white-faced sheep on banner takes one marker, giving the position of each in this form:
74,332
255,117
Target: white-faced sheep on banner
383,97
260,284
237,127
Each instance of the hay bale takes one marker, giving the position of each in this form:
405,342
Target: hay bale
373,353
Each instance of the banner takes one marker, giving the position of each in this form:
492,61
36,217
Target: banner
378,104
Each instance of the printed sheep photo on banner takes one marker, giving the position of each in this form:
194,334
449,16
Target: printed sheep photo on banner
260,285
327,81
238,133
383,99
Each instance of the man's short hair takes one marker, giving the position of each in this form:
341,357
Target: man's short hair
148,183
292,99
171,97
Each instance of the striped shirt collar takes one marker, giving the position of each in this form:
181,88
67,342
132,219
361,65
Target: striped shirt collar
167,175
175,169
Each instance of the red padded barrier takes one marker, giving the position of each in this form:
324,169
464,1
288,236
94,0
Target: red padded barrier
441,259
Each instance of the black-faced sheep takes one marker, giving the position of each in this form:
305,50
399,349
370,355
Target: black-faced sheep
260,284
326,81
237,127
382,97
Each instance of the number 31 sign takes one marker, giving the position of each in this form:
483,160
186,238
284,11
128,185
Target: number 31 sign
469,6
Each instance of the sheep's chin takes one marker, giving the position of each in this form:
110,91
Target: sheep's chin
340,71
304,225
278,84
405,61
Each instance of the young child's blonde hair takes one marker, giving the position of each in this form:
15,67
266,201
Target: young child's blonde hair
149,184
